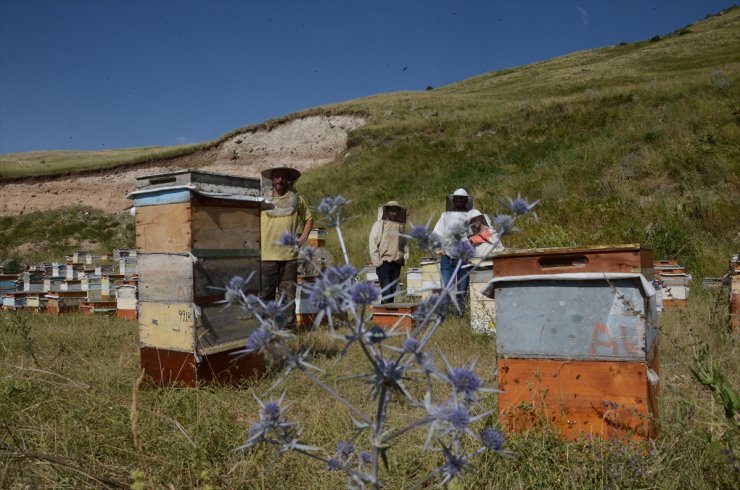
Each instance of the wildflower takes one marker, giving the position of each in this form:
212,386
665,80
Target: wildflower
331,209
330,291
461,250
345,449
364,293
520,206
492,439
271,422
366,458
420,235
434,308
464,382
411,345
453,465
258,340
387,375
288,239
504,223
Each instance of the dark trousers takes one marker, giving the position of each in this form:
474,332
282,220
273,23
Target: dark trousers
459,285
279,280
388,274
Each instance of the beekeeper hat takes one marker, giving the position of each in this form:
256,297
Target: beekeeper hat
474,213
460,192
293,173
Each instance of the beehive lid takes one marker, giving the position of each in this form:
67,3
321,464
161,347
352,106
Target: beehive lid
201,181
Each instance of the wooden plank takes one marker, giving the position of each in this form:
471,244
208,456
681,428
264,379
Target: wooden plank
394,315
176,278
579,398
165,228
226,227
165,277
126,314
630,258
172,368
168,326
190,328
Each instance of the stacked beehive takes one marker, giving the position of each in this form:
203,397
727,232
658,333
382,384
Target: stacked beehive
674,282
482,308
305,313
194,232
430,277
577,340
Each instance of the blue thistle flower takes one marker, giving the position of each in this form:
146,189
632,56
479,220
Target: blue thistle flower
520,206
464,382
334,464
461,249
503,224
366,457
288,239
331,209
258,340
411,345
424,239
364,293
345,449
492,439
341,273
459,417
435,308
453,466
237,283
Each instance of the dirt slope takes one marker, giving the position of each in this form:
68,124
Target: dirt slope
302,143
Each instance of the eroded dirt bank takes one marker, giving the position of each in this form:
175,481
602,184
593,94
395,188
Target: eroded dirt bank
302,143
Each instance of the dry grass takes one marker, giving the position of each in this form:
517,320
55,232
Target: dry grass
78,419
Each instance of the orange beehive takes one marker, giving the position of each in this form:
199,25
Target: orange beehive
577,350
394,315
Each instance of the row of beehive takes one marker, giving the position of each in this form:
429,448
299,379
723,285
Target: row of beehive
60,288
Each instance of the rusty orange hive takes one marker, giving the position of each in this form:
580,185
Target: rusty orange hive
577,349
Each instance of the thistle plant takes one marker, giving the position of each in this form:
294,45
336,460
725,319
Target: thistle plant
398,364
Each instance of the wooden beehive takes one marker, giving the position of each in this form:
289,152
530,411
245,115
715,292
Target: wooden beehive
578,350
64,301
482,308
394,315
194,232
430,276
674,282
305,312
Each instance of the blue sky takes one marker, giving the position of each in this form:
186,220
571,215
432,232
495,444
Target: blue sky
103,74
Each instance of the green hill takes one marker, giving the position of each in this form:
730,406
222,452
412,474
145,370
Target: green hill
630,143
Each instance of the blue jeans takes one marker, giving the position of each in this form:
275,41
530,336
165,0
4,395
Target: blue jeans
446,268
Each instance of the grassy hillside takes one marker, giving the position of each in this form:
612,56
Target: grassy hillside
631,143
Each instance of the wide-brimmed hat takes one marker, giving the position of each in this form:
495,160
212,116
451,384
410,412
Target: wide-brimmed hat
392,204
293,174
